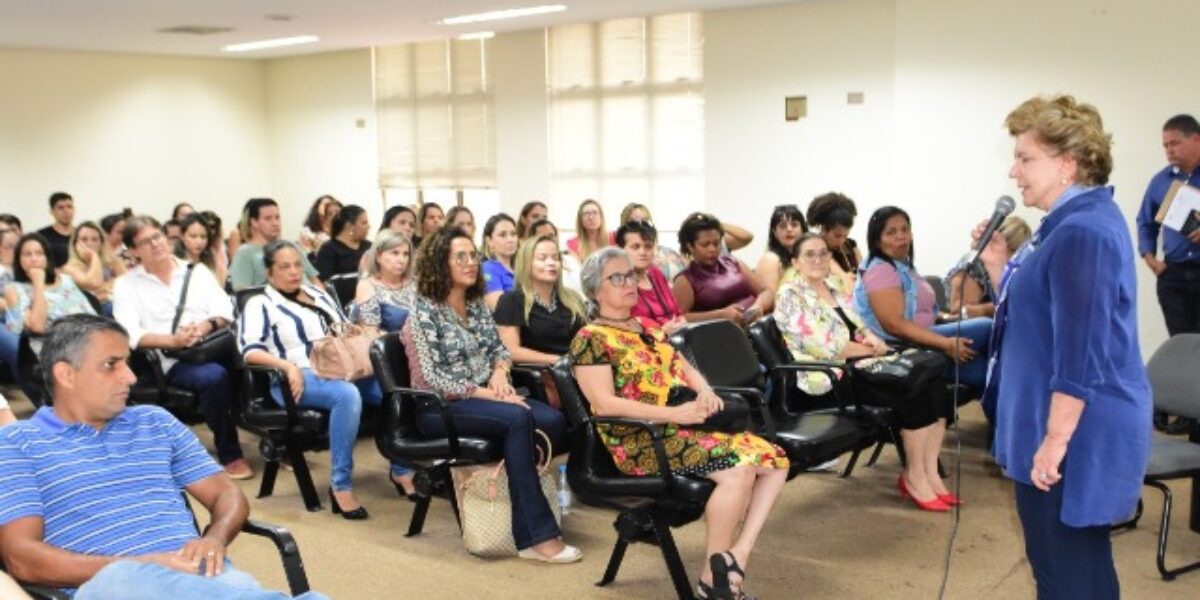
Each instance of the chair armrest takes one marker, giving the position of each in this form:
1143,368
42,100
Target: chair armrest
430,398
828,368
756,399
153,364
656,431
289,403
535,372
289,552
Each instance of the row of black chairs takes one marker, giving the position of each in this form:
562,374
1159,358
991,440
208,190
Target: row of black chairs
647,507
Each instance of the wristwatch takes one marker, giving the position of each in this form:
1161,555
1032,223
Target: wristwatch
962,314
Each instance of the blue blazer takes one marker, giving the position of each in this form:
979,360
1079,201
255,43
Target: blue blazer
1072,327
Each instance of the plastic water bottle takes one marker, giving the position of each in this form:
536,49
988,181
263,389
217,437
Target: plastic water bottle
564,491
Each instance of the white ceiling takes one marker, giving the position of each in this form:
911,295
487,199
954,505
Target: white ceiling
132,25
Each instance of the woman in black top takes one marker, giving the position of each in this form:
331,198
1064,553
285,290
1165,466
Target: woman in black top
833,215
343,253
538,319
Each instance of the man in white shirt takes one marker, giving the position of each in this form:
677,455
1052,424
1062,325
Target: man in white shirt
144,303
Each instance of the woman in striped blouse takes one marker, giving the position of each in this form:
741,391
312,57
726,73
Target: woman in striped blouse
277,329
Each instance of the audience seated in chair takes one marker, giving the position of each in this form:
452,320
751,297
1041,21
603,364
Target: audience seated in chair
454,350
538,319
429,219
898,305
667,259
137,538
274,330
145,302
590,232
786,226
318,225
816,316
38,295
656,303
971,291
384,297
263,225
832,215
716,286
625,370
58,234
531,213
343,253
91,265
201,243
500,247
400,219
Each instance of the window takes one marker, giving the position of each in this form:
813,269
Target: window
627,116
434,105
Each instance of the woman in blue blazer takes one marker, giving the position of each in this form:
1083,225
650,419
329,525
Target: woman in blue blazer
1072,398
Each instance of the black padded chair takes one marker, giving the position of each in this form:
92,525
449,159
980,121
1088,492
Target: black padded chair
720,350
1175,383
152,388
343,287
287,430
30,373
939,292
400,440
773,354
648,507
285,543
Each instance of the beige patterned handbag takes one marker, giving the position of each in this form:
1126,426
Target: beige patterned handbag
485,508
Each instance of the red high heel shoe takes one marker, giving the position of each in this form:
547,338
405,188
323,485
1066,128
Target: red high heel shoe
935,505
949,499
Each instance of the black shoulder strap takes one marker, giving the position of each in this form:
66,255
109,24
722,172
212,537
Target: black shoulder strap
187,279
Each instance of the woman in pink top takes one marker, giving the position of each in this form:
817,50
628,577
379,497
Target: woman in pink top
590,232
656,305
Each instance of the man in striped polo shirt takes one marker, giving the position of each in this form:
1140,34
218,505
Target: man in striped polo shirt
90,489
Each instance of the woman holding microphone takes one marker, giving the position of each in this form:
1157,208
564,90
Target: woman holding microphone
1073,401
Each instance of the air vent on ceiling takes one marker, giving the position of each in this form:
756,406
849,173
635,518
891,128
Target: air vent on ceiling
196,30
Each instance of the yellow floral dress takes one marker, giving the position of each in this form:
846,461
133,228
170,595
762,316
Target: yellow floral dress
645,368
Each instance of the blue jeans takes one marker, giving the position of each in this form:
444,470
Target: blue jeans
532,520
211,382
344,401
133,580
979,330
1068,562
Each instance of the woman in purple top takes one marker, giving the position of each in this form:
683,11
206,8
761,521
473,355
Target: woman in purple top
897,304
715,286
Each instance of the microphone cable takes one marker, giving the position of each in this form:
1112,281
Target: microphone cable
957,439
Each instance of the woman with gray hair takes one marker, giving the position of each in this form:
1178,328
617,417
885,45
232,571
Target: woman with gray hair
625,370
385,296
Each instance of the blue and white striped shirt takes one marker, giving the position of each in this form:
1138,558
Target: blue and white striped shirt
271,323
108,492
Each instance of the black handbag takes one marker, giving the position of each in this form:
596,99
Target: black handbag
218,346
733,418
911,369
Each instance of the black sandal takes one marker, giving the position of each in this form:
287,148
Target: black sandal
734,567
720,589
703,591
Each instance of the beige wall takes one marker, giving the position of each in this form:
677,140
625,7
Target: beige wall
120,130
938,77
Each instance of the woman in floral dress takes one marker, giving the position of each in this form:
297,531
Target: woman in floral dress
628,371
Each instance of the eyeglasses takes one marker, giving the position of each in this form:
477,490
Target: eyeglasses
623,279
815,255
153,238
464,259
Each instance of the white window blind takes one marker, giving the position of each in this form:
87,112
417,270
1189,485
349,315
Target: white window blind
627,115
434,106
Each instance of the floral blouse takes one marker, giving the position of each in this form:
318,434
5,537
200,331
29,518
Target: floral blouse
448,354
370,312
812,329
62,299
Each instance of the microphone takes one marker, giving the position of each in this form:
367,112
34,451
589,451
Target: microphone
1004,207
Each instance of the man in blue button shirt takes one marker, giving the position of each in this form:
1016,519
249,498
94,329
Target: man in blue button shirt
1178,271
90,489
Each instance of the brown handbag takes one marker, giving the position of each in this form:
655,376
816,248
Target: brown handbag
343,354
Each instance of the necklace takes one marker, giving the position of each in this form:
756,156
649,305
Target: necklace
627,324
550,306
